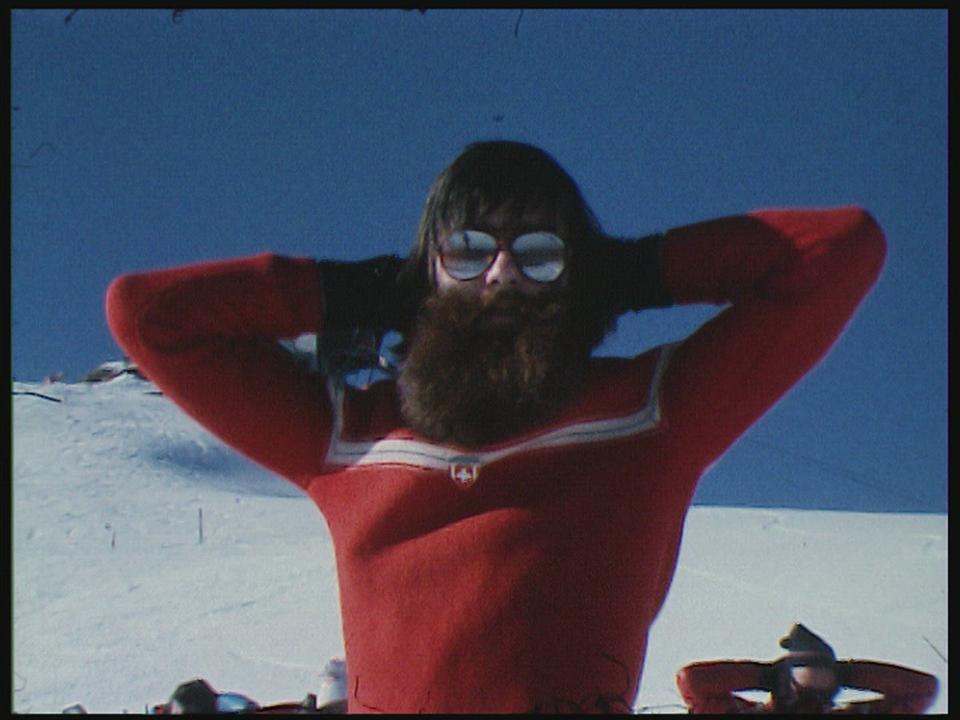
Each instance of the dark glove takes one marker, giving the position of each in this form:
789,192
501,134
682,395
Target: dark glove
845,673
364,300
772,676
364,295
629,272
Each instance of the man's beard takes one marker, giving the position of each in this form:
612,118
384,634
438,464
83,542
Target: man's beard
806,700
473,377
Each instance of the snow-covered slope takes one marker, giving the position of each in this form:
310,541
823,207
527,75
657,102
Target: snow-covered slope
146,553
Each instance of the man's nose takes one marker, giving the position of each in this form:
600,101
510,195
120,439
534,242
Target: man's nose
504,270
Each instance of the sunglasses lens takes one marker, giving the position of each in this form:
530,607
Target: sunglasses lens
466,254
540,255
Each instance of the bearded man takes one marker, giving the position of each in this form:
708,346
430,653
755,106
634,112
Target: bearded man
807,680
507,511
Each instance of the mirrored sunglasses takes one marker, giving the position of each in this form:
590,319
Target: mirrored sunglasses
467,254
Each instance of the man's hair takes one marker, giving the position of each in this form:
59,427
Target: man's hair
520,178
806,647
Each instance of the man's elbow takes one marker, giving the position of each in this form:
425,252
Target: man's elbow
863,228
123,299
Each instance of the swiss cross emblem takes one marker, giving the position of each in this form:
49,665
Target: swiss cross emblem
464,471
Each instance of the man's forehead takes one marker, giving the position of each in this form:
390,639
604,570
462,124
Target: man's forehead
510,218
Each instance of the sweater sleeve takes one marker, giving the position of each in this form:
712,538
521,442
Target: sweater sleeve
904,690
709,686
206,334
792,279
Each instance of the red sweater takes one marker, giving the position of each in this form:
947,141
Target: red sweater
710,687
523,575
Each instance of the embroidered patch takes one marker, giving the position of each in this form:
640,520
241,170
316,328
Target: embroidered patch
464,470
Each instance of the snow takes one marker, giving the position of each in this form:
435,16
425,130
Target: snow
147,553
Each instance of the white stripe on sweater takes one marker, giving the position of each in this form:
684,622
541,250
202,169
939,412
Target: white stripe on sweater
419,453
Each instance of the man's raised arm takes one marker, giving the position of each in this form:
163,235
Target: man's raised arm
207,335
793,279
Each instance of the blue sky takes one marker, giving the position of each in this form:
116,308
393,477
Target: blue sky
144,139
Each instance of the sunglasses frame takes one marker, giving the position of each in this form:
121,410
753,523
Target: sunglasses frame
500,247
